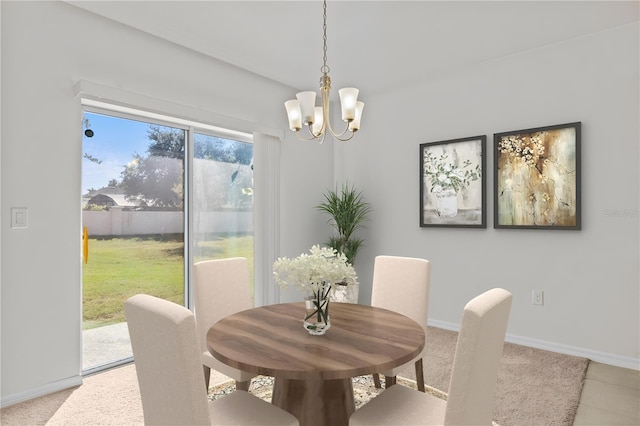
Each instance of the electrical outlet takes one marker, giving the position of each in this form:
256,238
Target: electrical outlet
19,217
537,297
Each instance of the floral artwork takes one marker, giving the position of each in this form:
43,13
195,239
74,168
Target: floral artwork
444,174
537,175
452,183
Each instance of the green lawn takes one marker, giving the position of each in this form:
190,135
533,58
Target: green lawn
118,268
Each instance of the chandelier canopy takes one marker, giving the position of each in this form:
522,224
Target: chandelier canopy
303,110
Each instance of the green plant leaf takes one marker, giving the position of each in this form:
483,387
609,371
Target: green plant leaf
347,212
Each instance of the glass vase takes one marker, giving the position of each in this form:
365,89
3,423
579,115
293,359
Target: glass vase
316,303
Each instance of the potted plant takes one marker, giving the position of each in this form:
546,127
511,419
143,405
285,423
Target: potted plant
347,212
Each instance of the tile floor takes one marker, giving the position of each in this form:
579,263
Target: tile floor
610,396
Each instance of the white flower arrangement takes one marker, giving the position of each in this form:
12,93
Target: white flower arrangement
445,175
530,150
315,270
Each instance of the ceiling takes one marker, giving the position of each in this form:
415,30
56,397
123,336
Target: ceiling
372,45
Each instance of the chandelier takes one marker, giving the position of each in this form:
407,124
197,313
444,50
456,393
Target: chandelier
303,110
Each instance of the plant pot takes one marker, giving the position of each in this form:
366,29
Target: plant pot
345,293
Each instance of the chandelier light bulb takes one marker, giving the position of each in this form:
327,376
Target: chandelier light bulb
293,112
348,99
307,104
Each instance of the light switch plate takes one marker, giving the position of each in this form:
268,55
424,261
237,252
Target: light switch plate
19,217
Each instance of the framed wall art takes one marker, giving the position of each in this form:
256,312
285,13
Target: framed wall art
537,178
452,183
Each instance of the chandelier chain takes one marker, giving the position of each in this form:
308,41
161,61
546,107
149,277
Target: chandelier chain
325,68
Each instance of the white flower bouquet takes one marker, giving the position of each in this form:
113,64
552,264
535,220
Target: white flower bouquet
315,274
321,266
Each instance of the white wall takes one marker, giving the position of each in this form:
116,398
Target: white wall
47,47
590,278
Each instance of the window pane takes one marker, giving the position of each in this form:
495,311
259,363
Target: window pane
133,209
222,198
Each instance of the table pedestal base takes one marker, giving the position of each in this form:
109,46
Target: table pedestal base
315,402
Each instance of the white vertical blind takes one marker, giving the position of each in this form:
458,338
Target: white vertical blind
266,218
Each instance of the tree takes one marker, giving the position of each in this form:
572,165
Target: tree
224,150
157,179
166,142
224,172
92,158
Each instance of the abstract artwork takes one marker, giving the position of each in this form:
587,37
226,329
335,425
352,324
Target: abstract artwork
537,178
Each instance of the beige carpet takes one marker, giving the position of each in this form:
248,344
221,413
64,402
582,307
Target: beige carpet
535,387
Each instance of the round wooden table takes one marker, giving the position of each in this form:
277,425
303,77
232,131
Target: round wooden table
313,373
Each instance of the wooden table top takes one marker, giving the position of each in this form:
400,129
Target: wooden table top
270,340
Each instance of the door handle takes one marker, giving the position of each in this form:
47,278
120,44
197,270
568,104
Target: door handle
85,244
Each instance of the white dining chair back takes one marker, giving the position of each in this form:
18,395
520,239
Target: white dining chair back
221,287
166,355
401,284
168,366
476,364
473,381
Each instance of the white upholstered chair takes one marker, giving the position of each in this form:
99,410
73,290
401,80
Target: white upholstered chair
473,377
168,365
221,287
401,284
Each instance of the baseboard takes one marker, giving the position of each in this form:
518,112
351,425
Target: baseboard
597,356
47,389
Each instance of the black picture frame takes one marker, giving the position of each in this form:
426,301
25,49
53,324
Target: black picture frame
537,178
453,183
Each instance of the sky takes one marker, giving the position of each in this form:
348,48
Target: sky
114,142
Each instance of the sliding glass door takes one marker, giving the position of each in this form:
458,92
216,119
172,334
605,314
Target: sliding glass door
134,217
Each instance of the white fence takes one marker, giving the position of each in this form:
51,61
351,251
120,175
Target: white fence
117,221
